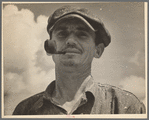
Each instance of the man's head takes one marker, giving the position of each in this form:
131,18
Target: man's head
78,33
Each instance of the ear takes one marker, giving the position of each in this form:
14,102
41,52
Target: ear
99,50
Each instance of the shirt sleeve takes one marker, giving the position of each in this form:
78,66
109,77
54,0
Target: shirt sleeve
137,108
142,109
127,103
19,110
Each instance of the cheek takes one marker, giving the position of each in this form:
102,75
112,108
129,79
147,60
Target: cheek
89,47
89,52
59,45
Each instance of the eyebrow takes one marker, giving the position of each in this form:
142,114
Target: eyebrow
60,28
83,29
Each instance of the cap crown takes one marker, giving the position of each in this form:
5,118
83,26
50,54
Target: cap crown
102,35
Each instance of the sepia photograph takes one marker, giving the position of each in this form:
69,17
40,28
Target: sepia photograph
74,60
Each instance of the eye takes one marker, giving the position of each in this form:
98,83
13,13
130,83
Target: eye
62,34
82,34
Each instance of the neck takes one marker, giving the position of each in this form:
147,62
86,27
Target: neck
69,80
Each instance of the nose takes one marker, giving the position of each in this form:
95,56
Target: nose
71,40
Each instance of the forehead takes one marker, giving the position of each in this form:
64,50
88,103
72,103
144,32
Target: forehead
71,24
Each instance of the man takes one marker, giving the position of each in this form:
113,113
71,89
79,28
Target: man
76,37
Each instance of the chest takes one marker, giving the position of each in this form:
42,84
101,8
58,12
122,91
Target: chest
92,106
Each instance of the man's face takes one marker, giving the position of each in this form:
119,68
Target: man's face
75,38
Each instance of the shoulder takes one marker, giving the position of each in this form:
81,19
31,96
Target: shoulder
25,105
125,100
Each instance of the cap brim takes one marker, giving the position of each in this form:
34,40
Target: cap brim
73,16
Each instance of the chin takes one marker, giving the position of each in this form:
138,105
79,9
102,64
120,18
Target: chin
70,63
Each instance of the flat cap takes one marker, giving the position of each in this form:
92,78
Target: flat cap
102,34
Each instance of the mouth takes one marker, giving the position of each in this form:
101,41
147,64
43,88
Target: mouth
72,51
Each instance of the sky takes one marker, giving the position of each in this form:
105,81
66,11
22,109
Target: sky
28,70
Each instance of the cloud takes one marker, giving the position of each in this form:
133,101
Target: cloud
134,84
27,68
13,83
17,32
135,58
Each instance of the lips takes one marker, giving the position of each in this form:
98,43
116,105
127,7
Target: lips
73,51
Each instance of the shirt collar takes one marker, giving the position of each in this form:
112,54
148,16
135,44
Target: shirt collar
90,87
49,90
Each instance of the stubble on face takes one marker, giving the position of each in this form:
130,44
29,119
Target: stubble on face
69,64
82,43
